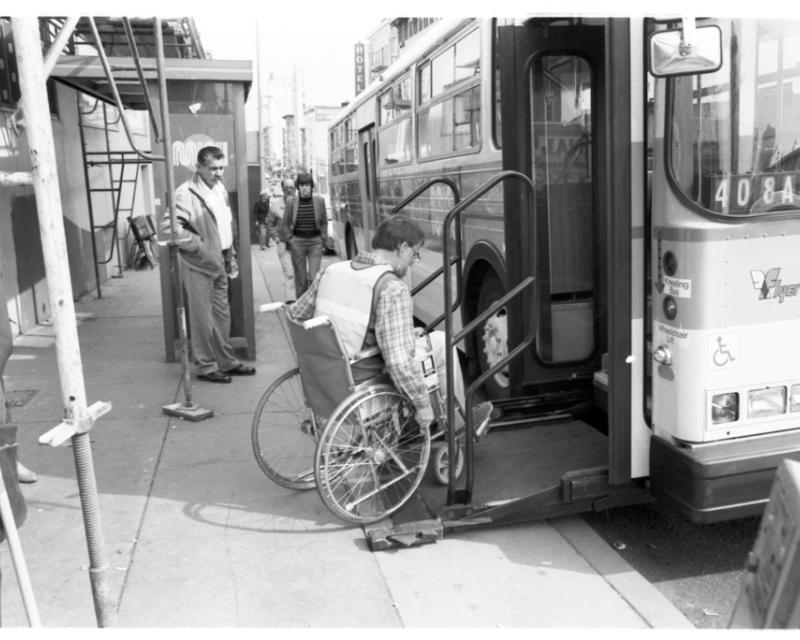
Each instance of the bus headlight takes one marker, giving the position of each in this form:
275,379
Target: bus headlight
725,408
766,402
794,400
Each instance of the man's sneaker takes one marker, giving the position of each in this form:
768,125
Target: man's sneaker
481,417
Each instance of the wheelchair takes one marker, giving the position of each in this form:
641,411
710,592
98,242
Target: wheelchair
358,444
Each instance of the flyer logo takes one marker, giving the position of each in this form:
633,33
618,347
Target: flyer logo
770,287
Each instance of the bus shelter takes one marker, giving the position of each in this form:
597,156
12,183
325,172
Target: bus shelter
206,101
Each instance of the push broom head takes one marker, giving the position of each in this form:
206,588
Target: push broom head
187,411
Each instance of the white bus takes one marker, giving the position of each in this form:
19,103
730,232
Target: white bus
653,242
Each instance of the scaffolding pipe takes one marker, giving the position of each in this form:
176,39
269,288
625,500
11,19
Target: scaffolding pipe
117,100
174,260
54,52
16,179
126,22
41,149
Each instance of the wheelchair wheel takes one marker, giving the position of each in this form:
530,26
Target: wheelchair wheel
440,460
371,456
284,434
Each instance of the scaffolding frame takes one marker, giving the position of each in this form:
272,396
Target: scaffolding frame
79,417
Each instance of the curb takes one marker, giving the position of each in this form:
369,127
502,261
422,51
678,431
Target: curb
652,605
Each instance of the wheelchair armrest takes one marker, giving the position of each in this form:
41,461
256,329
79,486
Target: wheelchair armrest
366,353
316,321
270,306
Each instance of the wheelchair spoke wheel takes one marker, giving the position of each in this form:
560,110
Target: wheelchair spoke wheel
284,434
371,456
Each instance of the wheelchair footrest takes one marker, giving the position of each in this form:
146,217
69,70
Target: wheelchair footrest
414,524
387,535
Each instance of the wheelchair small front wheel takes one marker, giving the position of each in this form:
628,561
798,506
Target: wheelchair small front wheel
284,434
440,460
371,456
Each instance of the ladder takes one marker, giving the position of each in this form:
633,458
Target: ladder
114,173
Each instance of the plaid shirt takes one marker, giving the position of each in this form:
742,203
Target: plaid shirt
394,330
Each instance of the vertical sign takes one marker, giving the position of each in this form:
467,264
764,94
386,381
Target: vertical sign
360,67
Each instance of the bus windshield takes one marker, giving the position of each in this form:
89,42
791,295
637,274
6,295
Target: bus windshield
733,136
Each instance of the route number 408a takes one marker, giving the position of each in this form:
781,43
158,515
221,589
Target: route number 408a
741,192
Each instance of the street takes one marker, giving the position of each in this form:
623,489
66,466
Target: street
698,567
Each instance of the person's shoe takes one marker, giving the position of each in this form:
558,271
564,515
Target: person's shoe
241,370
214,376
481,417
25,475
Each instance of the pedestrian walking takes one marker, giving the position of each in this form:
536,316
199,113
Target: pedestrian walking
306,219
260,213
277,230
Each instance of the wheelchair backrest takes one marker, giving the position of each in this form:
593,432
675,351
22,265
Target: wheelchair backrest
324,366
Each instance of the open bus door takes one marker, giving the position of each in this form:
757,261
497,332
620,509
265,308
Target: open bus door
368,184
566,128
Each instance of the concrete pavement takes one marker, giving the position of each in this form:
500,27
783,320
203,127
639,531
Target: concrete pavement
197,536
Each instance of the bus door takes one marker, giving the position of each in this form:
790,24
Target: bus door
552,97
368,178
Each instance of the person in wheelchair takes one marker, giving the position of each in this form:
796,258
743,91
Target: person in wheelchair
371,306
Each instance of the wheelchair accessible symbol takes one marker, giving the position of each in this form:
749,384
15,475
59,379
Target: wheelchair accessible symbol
722,351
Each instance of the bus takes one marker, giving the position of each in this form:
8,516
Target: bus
614,209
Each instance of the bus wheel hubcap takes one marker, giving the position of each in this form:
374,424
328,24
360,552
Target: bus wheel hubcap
495,344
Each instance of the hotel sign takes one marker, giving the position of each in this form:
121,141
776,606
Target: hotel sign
360,68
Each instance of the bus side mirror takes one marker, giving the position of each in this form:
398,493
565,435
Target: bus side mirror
686,51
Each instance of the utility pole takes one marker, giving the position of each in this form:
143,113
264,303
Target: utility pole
262,164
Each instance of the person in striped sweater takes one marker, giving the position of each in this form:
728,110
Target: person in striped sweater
306,219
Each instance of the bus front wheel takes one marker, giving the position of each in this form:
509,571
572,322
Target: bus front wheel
492,337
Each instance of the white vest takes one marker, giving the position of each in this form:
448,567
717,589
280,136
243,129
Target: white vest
345,296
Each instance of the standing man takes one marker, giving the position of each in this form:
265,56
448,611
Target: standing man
307,222
207,259
260,212
277,230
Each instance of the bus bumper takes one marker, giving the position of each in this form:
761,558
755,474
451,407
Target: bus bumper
722,480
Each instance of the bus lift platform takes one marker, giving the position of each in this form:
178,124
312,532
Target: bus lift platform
524,470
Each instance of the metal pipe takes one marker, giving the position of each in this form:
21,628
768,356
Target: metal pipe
89,203
117,100
54,248
54,52
174,261
126,22
17,557
15,179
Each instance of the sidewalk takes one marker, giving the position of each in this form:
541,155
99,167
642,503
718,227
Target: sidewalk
197,536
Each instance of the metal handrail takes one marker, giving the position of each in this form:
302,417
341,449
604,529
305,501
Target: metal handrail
449,263
454,214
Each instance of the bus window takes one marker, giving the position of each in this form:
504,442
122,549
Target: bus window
468,57
395,142
450,125
424,83
443,73
733,135
562,145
